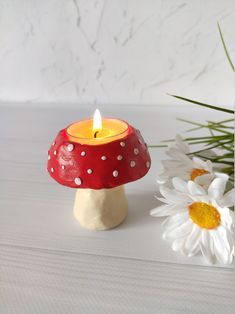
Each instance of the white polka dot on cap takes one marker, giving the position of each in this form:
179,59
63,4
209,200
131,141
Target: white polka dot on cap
70,147
115,173
78,181
132,164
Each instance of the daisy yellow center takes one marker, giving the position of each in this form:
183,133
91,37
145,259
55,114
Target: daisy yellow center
204,215
197,172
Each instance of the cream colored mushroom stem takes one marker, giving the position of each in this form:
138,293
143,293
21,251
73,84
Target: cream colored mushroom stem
100,209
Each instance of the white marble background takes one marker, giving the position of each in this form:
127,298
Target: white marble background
115,51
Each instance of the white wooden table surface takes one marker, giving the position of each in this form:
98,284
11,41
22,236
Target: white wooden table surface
49,264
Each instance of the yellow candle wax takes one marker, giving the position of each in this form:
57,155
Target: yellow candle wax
97,131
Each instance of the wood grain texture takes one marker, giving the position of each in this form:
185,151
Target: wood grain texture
50,281
48,264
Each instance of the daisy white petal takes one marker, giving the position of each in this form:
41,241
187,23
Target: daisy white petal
221,175
179,232
221,258
192,240
175,220
204,180
202,198
181,144
222,234
209,166
178,244
161,211
227,218
162,199
217,187
178,155
195,250
181,165
174,153
206,247
179,184
231,241
221,245
199,162
195,189
168,210
161,178
171,195
198,220
228,200
173,165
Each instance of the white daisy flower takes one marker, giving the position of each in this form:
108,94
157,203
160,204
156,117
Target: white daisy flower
182,166
199,219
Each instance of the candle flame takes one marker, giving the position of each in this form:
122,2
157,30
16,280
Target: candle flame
97,120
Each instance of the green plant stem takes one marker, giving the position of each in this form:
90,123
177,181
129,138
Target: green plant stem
203,104
225,48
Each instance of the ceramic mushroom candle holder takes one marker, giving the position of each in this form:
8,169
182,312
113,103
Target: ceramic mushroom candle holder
97,157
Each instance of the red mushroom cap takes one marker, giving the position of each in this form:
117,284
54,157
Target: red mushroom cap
100,166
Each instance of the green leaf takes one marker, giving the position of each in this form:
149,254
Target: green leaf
225,48
208,147
223,121
203,105
156,146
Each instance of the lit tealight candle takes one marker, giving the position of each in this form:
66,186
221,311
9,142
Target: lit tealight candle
97,130
98,156
97,124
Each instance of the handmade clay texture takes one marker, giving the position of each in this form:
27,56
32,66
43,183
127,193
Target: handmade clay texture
100,209
98,166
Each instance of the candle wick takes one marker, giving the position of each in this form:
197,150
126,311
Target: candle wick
95,134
